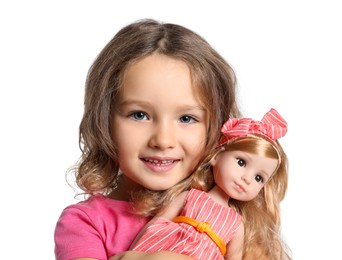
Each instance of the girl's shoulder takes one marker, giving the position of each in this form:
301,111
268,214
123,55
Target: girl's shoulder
100,201
100,206
95,223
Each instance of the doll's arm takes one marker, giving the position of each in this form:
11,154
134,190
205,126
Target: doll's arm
161,255
235,246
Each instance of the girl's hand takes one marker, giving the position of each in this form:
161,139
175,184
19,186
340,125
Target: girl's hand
162,255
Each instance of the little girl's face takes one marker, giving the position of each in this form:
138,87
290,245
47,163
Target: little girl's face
241,175
160,128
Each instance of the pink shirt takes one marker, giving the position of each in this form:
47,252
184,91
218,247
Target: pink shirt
96,228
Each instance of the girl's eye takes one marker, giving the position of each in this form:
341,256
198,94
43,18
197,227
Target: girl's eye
258,178
187,119
138,116
241,162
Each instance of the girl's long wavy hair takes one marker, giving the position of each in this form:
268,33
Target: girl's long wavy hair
213,80
261,216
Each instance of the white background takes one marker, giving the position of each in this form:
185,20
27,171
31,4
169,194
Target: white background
286,54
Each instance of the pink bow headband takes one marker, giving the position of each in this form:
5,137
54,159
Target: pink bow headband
272,126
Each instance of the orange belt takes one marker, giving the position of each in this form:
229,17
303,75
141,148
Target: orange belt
203,227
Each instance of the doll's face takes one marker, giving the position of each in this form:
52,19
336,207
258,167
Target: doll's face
241,175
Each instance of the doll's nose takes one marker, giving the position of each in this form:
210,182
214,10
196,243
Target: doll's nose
246,178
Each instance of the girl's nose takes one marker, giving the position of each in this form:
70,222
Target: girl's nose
163,136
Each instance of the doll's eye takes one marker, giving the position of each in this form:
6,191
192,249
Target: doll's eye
259,178
241,162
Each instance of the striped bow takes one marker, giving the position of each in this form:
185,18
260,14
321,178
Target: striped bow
272,126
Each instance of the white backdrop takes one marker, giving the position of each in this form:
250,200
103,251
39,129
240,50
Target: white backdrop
286,54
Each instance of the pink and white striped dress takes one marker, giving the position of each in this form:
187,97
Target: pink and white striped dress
184,238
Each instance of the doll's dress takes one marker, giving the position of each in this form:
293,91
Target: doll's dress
183,238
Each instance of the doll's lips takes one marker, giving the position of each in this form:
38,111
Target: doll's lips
240,187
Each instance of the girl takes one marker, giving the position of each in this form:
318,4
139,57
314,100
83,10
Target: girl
250,174
155,99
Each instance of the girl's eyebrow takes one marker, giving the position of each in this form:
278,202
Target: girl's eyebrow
191,107
187,107
128,102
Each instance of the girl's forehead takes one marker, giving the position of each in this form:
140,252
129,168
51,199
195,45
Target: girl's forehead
161,77
160,70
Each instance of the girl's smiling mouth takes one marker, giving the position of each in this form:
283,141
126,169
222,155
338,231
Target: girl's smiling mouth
160,165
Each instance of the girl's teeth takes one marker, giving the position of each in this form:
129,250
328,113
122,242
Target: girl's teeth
159,162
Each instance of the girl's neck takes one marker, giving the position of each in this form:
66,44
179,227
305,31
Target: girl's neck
124,189
218,195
